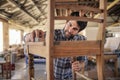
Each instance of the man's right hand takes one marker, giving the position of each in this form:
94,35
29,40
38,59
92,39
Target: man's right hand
30,37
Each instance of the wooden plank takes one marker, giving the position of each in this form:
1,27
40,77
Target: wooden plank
3,20
37,48
83,76
78,44
75,52
107,57
78,7
66,0
71,48
78,18
109,6
35,43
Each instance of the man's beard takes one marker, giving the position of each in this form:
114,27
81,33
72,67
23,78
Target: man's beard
68,34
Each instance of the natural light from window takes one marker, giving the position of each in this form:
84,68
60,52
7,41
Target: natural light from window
14,36
1,36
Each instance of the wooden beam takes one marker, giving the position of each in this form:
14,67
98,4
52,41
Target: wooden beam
71,48
74,52
3,20
101,36
37,48
78,18
83,76
15,25
115,25
23,10
109,6
50,40
112,4
78,7
66,0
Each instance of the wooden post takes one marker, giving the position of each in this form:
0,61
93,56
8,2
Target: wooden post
49,40
101,34
5,35
31,65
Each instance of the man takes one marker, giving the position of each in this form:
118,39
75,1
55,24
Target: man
62,66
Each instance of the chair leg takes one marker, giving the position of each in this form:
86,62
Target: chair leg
2,71
6,71
100,67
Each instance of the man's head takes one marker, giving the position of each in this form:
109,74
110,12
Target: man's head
73,27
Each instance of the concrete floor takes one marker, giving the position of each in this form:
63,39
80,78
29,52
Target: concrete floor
21,71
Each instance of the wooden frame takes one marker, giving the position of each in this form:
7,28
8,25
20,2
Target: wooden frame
50,50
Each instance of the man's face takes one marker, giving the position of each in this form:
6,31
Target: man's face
71,28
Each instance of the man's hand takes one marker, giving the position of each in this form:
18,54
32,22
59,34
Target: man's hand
78,66
35,34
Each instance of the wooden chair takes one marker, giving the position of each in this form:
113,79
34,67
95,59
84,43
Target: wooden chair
2,63
5,66
51,50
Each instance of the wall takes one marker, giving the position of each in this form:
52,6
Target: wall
91,33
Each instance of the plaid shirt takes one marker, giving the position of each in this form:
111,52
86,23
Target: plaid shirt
62,66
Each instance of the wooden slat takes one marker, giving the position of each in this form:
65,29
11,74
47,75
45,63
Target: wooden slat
107,57
3,20
71,48
75,52
78,7
37,48
36,43
78,18
66,0
81,75
80,44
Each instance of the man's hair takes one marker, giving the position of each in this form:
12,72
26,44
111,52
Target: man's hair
81,24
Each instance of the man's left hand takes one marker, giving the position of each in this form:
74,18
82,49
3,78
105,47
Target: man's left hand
77,66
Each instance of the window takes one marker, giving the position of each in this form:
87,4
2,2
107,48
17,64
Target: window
14,36
1,36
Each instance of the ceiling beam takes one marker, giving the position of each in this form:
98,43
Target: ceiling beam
41,12
15,25
112,4
22,9
115,25
109,6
